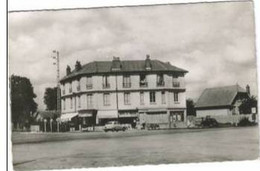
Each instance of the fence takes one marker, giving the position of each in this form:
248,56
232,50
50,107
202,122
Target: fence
233,119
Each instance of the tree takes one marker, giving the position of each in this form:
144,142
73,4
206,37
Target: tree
22,101
247,105
50,98
190,107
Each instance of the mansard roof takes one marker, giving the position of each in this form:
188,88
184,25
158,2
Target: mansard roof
127,66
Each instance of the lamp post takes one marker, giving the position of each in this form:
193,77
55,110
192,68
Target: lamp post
57,63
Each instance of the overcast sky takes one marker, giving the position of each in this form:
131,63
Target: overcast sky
215,42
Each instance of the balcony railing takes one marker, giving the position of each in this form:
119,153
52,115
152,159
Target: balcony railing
126,85
78,88
63,92
143,84
160,84
176,84
70,90
89,86
106,86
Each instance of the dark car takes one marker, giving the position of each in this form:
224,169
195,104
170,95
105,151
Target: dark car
209,122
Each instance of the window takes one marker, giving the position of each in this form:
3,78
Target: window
70,87
79,102
63,89
78,85
160,80
175,82
89,100
106,82
176,97
142,98
89,82
71,103
176,116
126,81
152,97
64,104
143,82
163,98
106,99
127,98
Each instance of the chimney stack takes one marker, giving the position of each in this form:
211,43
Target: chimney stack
148,64
77,66
248,89
116,64
68,70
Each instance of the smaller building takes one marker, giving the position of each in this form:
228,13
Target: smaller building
221,101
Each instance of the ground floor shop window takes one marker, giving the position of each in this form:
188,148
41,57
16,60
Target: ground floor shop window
177,116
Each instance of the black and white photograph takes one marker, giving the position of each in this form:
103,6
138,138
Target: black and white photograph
133,85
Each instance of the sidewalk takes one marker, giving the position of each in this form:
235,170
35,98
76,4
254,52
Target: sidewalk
30,137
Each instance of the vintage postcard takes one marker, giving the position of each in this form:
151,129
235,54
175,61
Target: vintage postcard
133,85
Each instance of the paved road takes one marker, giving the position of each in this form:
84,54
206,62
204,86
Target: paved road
167,147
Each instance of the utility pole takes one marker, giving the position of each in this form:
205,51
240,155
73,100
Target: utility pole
57,63
117,100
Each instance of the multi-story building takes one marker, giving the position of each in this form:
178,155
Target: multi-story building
133,91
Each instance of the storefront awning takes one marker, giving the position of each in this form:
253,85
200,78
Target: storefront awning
67,117
157,111
128,113
85,114
107,114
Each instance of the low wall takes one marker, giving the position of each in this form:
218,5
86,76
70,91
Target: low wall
234,119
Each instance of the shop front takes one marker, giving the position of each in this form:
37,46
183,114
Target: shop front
87,120
129,117
69,122
104,116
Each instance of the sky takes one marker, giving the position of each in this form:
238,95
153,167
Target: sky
215,42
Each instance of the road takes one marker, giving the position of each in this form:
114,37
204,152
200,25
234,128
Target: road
164,148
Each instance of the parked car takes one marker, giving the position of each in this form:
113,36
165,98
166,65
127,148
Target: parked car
114,126
209,122
152,126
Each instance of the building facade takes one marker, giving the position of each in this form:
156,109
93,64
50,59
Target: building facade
221,101
133,92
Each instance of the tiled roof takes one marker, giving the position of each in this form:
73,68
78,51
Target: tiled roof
219,96
126,66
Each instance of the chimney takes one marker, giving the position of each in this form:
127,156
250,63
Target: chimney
248,89
148,65
68,70
77,66
116,64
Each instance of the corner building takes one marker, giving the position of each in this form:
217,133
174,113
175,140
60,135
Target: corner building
133,91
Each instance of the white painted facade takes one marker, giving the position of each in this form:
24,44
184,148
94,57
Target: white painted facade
213,112
75,95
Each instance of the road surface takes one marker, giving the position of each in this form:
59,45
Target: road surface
164,148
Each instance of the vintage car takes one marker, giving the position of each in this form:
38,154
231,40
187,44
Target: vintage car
206,122
114,126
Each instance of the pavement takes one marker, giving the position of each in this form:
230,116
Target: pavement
86,150
40,137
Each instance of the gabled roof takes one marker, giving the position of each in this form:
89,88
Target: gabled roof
219,96
126,66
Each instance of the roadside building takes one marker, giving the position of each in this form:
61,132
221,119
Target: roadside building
132,92
221,101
